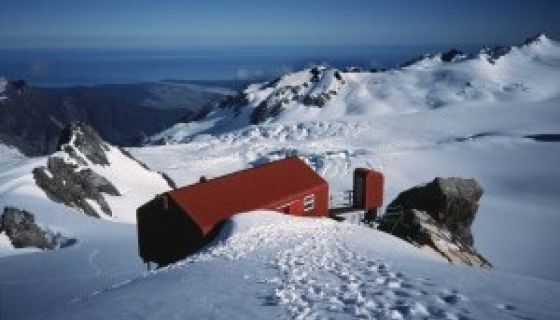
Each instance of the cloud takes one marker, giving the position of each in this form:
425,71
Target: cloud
248,74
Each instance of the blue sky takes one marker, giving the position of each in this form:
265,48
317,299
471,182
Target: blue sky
108,23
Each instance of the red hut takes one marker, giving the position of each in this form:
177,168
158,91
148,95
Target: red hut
368,191
178,222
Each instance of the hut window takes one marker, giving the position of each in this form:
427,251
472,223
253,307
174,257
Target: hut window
309,202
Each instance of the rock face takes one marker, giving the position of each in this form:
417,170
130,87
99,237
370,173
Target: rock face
439,215
451,56
65,183
83,173
22,231
314,87
86,140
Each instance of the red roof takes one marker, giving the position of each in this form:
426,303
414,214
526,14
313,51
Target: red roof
261,187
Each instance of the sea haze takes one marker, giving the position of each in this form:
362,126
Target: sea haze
68,67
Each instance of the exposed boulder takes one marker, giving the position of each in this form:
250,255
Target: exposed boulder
21,229
439,215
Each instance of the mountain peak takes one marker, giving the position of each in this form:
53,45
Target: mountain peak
78,136
536,39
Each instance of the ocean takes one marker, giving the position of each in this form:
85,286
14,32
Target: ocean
70,67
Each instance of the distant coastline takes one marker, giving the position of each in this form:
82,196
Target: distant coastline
73,67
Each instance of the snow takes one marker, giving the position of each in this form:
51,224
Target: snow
268,265
517,173
10,158
134,182
469,118
527,73
412,124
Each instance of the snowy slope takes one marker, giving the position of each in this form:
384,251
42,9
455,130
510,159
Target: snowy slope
134,182
486,141
18,188
266,265
10,158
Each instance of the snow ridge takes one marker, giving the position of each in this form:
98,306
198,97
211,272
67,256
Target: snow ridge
428,83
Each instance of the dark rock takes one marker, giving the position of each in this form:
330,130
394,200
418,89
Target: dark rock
65,183
319,100
86,140
315,74
275,110
23,232
170,182
337,75
260,113
544,137
534,39
451,55
495,53
439,215
416,60
452,202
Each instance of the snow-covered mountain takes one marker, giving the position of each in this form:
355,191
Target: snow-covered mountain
529,72
87,176
493,116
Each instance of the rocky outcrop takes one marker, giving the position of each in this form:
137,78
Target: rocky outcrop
23,232
452,55
438,215
65,180
83,138
76,175
314,89
539,37
495,53
67,184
